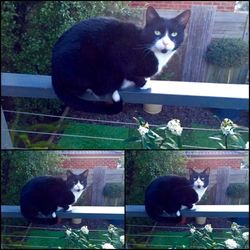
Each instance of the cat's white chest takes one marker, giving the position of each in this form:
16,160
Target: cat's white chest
200,192
163,59
77,195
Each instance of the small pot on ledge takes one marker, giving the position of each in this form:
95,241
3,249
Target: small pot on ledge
152,108
200,220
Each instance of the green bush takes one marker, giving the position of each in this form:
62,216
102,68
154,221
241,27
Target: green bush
113,190
237,190
17,167
227,52
30,29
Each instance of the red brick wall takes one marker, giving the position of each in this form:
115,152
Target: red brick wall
90,161
227,6
214,162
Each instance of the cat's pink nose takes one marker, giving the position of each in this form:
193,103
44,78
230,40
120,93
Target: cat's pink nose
164,43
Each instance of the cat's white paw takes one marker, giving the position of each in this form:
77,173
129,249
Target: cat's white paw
59,208
193,207
183,207
147,85
54,215
116,96
178,213
70,208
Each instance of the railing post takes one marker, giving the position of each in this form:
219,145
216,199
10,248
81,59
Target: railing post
6,142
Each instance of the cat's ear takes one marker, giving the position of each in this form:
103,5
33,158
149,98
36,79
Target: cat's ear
206,171
191,171
69,173
151,14
183,18
85,173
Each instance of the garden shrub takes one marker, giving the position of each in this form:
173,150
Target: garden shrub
17,167
227,52
113,190
30,29
237,190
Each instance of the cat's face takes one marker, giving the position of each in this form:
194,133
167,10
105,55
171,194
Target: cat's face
164,34
199,180
77,183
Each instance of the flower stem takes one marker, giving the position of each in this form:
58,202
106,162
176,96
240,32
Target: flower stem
226,142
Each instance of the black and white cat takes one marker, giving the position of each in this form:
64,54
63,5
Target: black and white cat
104,55
44,195
172,193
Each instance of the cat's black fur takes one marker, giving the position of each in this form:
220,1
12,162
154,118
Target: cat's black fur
45,194
169,193
99,53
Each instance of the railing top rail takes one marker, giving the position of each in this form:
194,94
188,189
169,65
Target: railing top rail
200,94
86,212
224,211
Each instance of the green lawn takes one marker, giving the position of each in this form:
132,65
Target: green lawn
167,240
111,137
54,239
46,239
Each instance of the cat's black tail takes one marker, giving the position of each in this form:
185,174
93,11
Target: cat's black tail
76,103
31,216
156,215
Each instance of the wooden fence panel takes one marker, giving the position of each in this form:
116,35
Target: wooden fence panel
219,181
226,24
98,185
200,34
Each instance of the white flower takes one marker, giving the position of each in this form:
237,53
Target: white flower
192,230
231,244
245,236
235,226
111,229
107,246
174,126
122,239
227,126
85,229
68,232
209,228
143,130
247,145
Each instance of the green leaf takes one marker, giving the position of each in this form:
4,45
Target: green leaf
222,145
215,138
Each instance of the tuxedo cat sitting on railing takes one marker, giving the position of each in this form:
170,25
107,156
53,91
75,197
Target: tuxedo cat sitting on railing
104,55
172,193
44,195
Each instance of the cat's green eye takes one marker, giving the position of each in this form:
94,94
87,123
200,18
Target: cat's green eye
174,34
157,32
